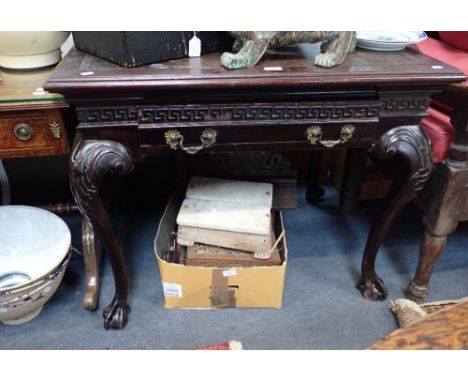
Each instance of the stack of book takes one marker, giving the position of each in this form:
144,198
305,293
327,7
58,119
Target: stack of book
226,223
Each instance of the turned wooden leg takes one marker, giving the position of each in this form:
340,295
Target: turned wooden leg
91,255
408,149
431,248
89,162
314,192
445,197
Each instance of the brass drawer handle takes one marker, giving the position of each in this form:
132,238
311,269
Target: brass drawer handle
176,140
23,131
314,136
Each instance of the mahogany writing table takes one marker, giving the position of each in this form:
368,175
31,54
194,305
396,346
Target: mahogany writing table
373,101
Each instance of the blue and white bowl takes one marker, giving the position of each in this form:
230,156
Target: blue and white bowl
387,40
34,253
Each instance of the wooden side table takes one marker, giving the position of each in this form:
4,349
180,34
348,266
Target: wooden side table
32,125
374,101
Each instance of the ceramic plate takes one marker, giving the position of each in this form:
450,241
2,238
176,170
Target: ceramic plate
388,41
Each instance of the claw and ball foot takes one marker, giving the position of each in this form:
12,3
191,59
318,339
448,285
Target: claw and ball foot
116,314
373,289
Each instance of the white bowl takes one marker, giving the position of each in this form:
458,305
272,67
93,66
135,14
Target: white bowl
34,253
30,50
22,303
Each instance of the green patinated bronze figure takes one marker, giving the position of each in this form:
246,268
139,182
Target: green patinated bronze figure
249,47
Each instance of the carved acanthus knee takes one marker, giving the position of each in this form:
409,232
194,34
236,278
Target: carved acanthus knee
411,143
89,162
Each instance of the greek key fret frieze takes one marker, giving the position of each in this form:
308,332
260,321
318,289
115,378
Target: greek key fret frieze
165,114
405,104
107,114
178,114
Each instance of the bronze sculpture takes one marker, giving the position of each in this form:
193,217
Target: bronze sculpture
249,47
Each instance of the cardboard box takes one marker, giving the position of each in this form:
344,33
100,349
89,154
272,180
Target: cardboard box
212,287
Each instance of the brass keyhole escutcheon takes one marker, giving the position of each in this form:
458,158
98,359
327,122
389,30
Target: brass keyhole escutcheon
23,131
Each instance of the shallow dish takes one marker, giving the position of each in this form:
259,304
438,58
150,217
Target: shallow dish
388,41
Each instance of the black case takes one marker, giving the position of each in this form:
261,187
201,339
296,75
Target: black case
131,49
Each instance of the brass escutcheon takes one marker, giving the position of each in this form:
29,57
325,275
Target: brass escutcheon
314,136
23,131
176,140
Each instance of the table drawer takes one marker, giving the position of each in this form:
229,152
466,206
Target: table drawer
24,134
294,136
293,125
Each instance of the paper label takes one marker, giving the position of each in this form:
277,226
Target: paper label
39,91
194,47
273,68
229,272
172,290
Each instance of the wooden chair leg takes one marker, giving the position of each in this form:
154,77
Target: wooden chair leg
445,201
445,198
431,248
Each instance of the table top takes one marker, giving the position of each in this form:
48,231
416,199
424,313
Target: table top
24,88
286,67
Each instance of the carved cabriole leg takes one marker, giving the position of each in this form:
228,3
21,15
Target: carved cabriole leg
409,149
91,255
89,162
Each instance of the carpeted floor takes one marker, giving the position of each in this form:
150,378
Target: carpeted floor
321,307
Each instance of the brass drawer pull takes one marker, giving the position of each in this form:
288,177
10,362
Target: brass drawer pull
23,131
314,136
175,139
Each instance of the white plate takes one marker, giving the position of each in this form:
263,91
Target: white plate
388,41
